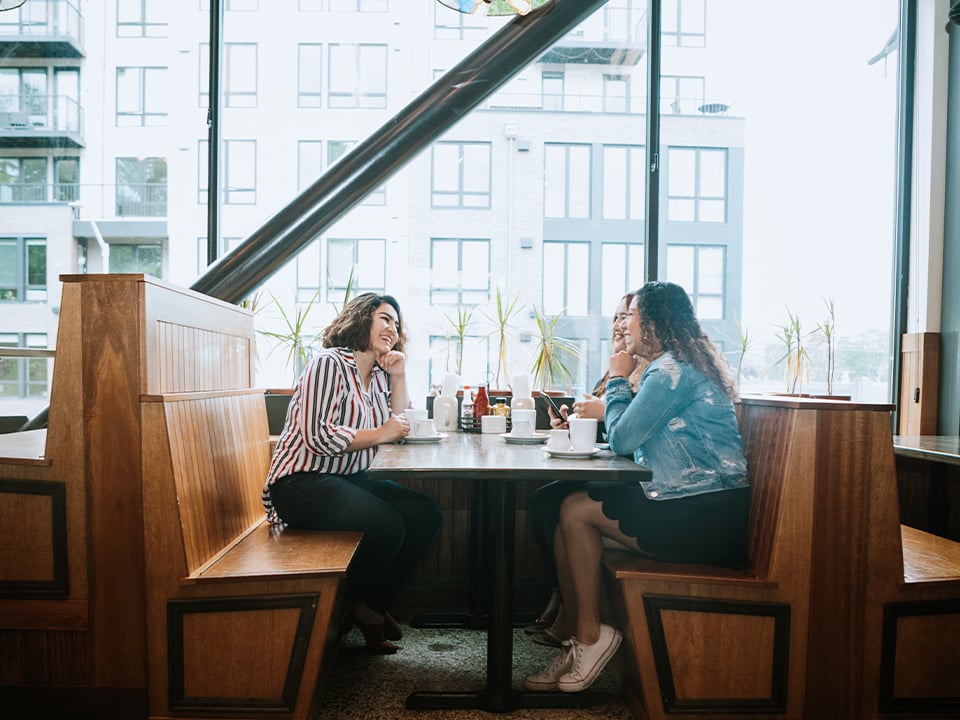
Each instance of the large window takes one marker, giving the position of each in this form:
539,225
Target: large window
141,187
551,90
23,179
624,182
459,271
310,75
697,185
66,179
240,69
239,185
700,269
683,23
566,277
23,269
461,175
142,18
24,91
137,258
23,377
357,75
566,181
458,26
141,96
621,272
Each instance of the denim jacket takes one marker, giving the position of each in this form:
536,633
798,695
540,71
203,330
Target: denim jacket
681,426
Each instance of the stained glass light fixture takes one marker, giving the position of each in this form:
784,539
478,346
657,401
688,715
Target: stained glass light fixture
494,7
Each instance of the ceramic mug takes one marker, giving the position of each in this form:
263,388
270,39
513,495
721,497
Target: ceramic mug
559,440
583,433
423,428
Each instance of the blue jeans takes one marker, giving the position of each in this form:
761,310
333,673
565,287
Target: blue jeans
399,525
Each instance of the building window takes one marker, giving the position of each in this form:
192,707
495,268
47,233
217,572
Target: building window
141,187
66,179
24,91
309,75
239,172
23,269
23,377
566,183
448,24
681,94
357,75
377,6
240,75
336,149
624,182
142,18
459,271
23,180
622,271
697,185
616,93
566,277
551,90
139,94
235,5
144,258
699,269
461,175
227,243
359,263
683,23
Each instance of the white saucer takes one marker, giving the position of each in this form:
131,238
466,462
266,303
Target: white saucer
534,439
573,453
425,439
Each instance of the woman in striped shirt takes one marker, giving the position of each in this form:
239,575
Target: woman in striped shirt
348,401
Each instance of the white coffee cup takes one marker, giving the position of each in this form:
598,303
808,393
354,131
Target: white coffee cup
559,440
583,433
524,422
423,428
493,424
414,414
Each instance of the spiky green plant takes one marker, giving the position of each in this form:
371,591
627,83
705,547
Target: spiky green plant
295,337
743,340
504,332
829,330
549,365
460,325
795,354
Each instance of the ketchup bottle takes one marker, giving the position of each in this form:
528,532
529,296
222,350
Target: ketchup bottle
481,403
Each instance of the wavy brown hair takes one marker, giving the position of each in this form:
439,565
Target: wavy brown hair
351,328
666,311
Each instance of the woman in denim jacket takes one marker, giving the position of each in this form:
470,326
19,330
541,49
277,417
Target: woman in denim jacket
681,424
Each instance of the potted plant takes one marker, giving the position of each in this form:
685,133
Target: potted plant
828,328
460,324
549,364
503,329
795,356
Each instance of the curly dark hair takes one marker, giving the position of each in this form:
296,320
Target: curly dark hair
666,311
351,328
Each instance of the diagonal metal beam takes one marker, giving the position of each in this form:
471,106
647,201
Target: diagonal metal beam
388,149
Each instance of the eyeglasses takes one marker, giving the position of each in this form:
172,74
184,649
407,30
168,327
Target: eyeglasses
494,7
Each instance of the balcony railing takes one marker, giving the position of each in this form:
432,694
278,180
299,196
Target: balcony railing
614,104
39,113
147,200
46,19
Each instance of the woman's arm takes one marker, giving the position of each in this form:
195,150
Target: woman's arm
632,420
395,364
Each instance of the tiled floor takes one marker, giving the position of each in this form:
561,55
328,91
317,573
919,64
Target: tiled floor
368,687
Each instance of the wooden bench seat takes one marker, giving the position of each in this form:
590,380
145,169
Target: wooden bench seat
706,639
223,583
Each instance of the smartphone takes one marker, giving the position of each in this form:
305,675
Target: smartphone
553,404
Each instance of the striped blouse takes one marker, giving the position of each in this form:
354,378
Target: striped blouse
328,406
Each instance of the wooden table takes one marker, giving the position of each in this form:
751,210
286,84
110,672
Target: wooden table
499,466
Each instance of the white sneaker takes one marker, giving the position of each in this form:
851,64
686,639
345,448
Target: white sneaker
589,660
547,679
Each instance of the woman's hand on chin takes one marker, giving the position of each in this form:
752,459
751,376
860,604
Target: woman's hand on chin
393,362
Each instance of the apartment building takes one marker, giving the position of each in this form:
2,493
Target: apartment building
538,195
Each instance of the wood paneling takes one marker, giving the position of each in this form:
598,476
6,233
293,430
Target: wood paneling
919,383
